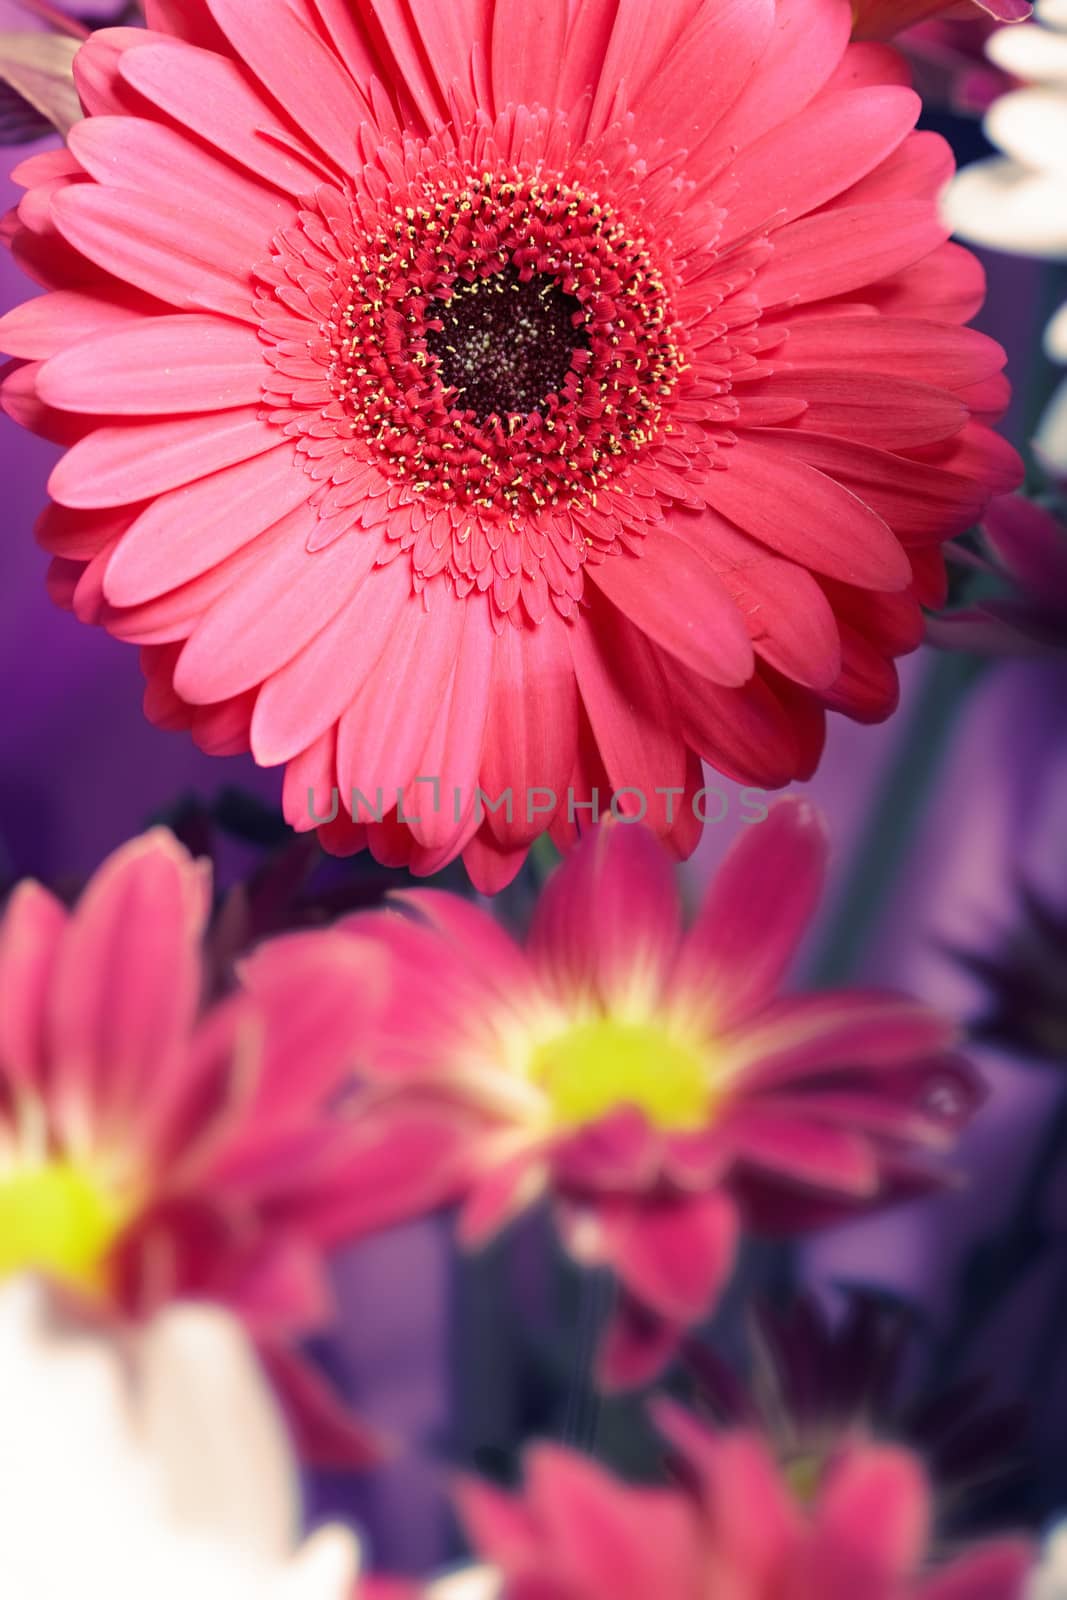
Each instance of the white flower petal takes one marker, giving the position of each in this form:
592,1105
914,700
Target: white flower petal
1050,1580
1056,336
1000,204
1030,52
1050,441
326,1568
1031,126
201,1380
147,1462
473,1583
1052,12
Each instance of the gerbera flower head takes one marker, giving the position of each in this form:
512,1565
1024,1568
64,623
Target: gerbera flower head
650,1081
151,1152
483,414
735,1526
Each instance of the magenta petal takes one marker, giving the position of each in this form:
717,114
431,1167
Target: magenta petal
127,980
498,1196
674,1254
635,1347
796,1150
1001,1571
620,1151
754,914
608,922
872,1525
325,1432
30,936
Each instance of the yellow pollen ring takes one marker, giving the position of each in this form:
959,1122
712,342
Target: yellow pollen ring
596,1067
57,1218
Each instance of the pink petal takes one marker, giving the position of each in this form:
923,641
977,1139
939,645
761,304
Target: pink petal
754,914
492,866
300,72
325,1431
527,49
942,355
948,285
795,1150
894,414
611,1539
919,502
837,251
116,466
42,327
789,619
818,153
699,78
532,730
674,1255
30,934
635,1347
807,517
996,1572
147,157
620,1151
499,1527
755,1524
156,366
798,59
390,1166
190,257
705,630
185,19
188,531
748,734
316,991
127,980
218,100
488,946
309,694
497,1196
454,751
607,924
872,1525
820,1033
283,601
1032,544
623,690
410,677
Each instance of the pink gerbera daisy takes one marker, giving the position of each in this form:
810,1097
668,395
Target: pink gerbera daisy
528,399
149,1153
737,1530
648,1081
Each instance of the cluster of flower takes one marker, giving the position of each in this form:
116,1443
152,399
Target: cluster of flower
370,517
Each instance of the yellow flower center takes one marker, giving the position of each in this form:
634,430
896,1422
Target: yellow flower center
597,1067
58,1219
804,1474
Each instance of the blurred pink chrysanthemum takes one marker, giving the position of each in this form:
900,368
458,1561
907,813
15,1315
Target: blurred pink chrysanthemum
736,1529
648,1081
523,398
150,1153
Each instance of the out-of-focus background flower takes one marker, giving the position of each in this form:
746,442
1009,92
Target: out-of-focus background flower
948,880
